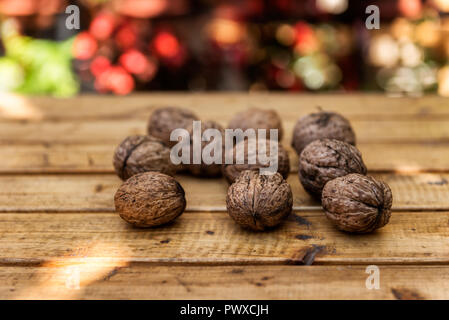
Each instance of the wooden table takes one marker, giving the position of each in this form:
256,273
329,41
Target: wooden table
60,237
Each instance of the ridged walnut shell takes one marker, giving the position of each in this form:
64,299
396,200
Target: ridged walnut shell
163,121
137,154
259,202
150,199
324,160
255,118
321,125
357,203
232,171
207,170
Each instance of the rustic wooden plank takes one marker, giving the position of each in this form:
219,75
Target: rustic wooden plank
97,158
214,239
139,106
87,193
109,281
57,158
113,131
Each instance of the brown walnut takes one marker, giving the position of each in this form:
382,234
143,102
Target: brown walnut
321,125
163,121
357,203
150,199
207,170
138,154
259,202
232,171
255,118
327,159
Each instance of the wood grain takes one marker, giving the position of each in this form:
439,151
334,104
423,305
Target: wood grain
109,281
370,107
113,131
204,238
96,158
94,193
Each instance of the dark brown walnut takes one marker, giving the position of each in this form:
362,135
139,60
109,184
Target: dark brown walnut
207,170
259,202
321,125
232,171
326,159
357,203
163,121
138,154
255,118
150,199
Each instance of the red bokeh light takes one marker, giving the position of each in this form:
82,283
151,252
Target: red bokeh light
134,61
410,8
115,79
306,40
102,26
127,36
167,45
84,46
99,65
140,8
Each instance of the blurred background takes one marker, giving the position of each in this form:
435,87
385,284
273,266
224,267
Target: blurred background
124,46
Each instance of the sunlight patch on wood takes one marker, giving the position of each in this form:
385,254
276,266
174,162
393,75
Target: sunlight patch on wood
73,273
18,108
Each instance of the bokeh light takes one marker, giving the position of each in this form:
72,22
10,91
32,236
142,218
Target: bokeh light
384,51
332,6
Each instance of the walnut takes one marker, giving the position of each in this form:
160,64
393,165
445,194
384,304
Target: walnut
207,170
150,199
257,119
232,171
138,154
163,121
327,159
321,125
357,203
259,202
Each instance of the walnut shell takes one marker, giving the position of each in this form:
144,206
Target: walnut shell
259,202
232,171
163,121
138,154
150,199
207,170
321,125
326,159
255,118
357,203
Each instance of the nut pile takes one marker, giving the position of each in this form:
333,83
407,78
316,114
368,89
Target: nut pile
331,168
